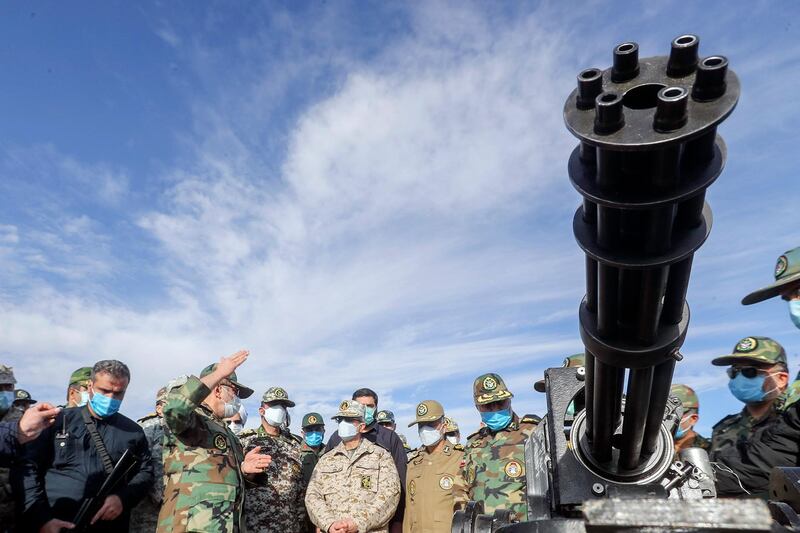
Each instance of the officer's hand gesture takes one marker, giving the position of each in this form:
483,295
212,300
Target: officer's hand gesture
35,420
255,462
228,365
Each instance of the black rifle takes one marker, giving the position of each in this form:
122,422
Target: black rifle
90,506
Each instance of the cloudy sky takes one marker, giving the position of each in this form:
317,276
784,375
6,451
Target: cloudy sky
361,193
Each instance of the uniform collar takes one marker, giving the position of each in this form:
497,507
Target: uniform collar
364,447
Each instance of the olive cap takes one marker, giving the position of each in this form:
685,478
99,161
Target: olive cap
686,395
787,271
7,375
385,417
277,395
350,409
312,419
81,376
450,425
21,395
490,388
759,350
428,411
244,392
578,359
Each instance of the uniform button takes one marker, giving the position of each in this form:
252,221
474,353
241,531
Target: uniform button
63,444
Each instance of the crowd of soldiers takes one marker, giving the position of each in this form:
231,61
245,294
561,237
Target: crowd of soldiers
191,466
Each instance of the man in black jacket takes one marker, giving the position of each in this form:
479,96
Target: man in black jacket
67,463
386,439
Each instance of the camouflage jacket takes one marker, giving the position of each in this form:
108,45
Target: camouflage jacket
434,490
274,503
144,517
363,486
204,489
494,466
733,429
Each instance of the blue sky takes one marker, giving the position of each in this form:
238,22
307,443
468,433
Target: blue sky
361,193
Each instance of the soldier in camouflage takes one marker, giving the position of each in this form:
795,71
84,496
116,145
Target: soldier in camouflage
758,378
78,387
11,415
494,464
144,517
685,435
355,486
275,502
204,464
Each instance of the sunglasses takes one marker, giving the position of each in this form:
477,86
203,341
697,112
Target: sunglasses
747,371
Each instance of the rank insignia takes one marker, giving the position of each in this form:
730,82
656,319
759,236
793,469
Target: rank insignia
412,487
513,469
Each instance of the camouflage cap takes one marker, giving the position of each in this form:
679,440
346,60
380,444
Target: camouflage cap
21,395
686,395
7,375
490,388
787,271
277,395
349,409
404,440
161,395
312,419
81,376
577,359
450,425
244,392
385,417
428,411
759,350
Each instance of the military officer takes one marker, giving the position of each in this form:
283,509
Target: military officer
355,486
204,464
275,503
9,415
386,419
236,422
452,433
144,517
78,388
313,432
685,435
494,463
22,400
434,486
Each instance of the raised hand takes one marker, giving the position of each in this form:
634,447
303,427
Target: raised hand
35,420
229,364
255,462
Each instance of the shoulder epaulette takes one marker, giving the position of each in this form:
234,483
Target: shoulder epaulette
530,419
147,417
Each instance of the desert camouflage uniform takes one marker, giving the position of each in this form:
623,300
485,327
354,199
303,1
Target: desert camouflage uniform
13,414
274,503
494,462
204,489
363,486
144,517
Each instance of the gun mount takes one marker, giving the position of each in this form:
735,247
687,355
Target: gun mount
648,151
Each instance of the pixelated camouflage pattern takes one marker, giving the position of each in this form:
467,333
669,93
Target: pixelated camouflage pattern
204,485
363,486
686,395
489,388
494,466
435,489
350,409
144,517
277,394
762,350
7,502
7,375
274,501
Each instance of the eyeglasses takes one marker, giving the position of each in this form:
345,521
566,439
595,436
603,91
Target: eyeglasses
747,371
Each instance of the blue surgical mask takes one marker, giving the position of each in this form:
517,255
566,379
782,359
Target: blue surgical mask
84,398
497,420
314,438
103,406
748,390
369,415
6,399
794,312
681,431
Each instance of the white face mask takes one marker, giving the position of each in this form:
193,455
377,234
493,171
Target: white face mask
452,439
347,430
275,415
236,427
429,435
232,407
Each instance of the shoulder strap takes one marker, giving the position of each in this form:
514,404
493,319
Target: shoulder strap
108,464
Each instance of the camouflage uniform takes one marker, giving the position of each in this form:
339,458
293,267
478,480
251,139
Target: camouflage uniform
787,274
144,517
275,502
434,486
728,432
360,484
691,405
494,463
204,489
12,414
79,378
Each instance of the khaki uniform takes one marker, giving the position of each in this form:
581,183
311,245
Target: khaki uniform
434,490
361,484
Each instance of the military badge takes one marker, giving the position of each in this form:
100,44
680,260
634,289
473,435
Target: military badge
781,266
412,487
422,409
513,469
366,482
344,405
280,393
747,345
489,383
20,394
220,443
312,420
446,482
